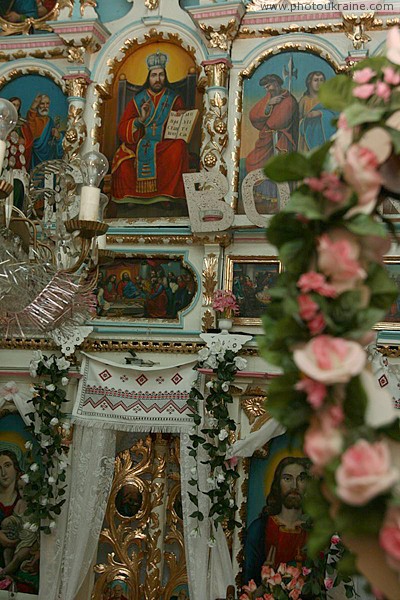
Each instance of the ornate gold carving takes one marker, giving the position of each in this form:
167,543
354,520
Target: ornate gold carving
75,54
208,320
355,26
253,407
76,131
69,4
76,50
389,350
146,481
222,37
29,25
77,86
85,3
151,4
215,124
217,74
209,278
172,240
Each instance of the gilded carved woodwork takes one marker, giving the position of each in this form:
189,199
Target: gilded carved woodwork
152,4
215,126
76,132
220,38
208,320
355,27
209,278
143,533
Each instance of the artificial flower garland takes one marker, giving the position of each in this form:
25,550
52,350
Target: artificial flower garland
214,434
334,288
45,478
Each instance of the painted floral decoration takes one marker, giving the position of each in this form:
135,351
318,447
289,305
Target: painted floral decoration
225,303
332,239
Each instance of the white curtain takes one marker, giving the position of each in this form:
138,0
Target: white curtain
68,555
202,561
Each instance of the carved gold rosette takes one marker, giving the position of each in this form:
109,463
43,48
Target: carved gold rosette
141,545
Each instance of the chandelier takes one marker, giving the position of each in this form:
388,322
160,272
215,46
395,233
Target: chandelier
49,252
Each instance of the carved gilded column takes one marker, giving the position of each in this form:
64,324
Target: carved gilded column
215,130
76,132
210,278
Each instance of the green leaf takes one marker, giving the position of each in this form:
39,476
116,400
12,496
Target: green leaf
355,403
358,113
365,225
305,203
318,156
288,167
337,93
395,135
284,228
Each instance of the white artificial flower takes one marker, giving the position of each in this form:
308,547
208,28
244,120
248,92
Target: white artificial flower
62,465
64,381
43,501
212,362
213,422
211,542
32,369
52,524
203,354
193,471
51,479
225,386
37,356
240,363
48,363
210,384
51,387
25,478
223,434
34,467
210,480
45,443
54,421
33,527
62,363
26,525
28,445
194,533
220,478
231,503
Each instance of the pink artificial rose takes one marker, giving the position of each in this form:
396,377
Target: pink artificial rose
364,91
334,415
365,472
383,90
389,536
316,391
343,139
316,282
391,76
275,579
338,255
364,75
328,583
268,597
307,307
322,443
393,45
330,360
317,324
251,587
295,594
305,571
293,571
360,170
335,539
266,572
244,597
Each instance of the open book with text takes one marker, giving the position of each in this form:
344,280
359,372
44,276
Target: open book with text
181,126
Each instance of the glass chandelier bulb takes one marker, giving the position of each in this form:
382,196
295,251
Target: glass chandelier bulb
94,166
8,118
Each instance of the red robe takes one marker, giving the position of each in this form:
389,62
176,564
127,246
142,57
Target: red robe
281,119
172,158
289,543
